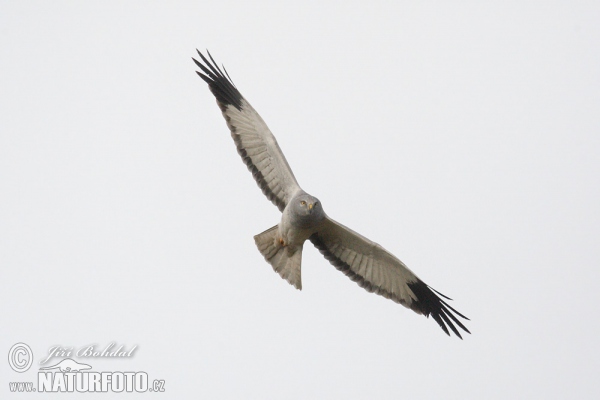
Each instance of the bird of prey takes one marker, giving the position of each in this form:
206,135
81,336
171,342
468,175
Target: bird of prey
303,217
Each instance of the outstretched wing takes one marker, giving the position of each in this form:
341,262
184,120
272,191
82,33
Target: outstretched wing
377,270
253,139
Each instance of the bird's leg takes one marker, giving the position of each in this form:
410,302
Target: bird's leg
282,242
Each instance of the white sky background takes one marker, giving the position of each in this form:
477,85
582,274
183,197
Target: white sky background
464,138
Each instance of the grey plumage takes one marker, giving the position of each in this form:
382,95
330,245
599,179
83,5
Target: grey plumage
303,218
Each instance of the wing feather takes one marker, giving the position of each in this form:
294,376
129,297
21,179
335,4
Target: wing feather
377,270
254,141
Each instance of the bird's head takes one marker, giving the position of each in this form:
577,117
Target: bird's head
308,208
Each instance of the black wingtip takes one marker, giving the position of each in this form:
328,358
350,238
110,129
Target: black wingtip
429,303
220,84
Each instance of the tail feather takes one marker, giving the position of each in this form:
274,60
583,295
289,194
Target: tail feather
285,264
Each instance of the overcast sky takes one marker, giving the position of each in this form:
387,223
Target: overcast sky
464,138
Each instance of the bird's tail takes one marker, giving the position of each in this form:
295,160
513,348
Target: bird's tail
285,264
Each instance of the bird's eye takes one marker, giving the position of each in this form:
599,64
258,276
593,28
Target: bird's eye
303,202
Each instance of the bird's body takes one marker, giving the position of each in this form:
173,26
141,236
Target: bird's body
303,218
300,219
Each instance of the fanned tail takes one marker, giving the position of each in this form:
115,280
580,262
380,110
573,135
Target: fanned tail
286,265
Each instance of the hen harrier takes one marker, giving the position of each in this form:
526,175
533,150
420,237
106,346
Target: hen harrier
303,217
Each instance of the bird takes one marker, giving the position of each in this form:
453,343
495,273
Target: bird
303,217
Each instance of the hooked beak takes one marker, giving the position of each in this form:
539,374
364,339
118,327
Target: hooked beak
310,206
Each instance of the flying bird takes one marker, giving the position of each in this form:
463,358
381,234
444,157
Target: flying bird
303,217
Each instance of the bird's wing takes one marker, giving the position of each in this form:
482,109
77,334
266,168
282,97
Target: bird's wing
377,270
253,139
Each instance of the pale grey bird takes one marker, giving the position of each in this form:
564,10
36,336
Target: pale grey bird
365,262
